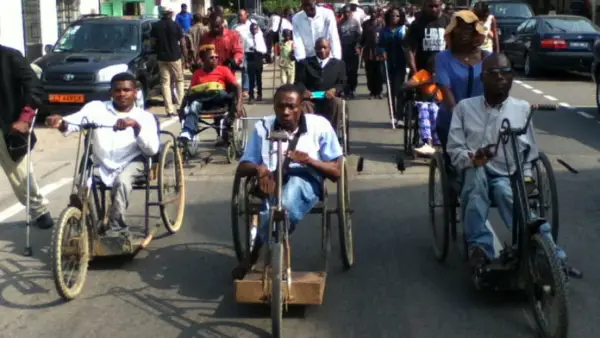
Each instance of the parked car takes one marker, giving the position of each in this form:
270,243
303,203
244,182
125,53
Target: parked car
509,15
79,67
557,42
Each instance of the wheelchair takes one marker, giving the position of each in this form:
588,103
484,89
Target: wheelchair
343,125
275,283
79,237
514,269
224,121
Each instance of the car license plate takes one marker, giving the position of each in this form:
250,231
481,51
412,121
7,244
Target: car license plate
66,98
579,44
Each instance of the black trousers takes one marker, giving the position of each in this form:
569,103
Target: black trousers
396,74
375,76
255,69
351,60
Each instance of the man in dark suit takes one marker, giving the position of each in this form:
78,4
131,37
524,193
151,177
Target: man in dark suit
21,93
323,73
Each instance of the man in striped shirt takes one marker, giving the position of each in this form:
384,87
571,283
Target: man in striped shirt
228,44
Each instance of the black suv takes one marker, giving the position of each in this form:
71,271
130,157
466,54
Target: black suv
78,68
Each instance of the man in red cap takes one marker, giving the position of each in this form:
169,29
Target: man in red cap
21,93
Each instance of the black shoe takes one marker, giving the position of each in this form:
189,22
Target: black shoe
259,98
45,221
244,267
477,257
572,272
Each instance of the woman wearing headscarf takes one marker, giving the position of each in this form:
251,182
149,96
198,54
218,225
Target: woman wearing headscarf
458,68
368,45
391,44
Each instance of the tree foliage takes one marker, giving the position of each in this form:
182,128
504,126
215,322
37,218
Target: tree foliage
278,5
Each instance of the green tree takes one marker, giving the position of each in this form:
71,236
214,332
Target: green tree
278,5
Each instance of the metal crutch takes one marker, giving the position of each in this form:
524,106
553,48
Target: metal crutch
28,252
389,95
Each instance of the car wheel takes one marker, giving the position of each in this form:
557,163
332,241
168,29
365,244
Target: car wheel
598,96
528,68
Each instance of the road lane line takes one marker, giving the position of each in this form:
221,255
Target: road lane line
526,86
564,104
518,81
551,98
586,115
49,188
537,91
46,190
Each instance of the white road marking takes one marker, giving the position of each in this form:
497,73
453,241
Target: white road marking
51,187
46,190
586,115
518,81
537,91
526,86
564,104
551,98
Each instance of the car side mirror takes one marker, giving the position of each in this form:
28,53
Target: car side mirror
48,49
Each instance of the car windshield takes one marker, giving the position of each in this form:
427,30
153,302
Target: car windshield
510,10
569,25
100,37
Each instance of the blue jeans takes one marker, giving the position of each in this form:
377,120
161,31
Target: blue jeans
193,109
300,194
479,189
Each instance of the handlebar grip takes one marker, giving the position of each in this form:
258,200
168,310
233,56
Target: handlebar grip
551,107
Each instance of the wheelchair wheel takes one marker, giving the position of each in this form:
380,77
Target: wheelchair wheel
345,129
239,134
439,198
171,187
547,288
548,194
344,219
408,127
240,218
277,296
70,253
325,230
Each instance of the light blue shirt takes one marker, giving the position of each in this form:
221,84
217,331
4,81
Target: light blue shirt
319,141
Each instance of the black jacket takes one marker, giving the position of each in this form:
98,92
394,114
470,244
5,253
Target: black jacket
310,74
19,87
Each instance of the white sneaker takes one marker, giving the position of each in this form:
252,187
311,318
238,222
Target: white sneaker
399,123
185,135
425,149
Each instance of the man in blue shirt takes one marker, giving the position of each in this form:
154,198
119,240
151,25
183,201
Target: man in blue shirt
184,19
316,156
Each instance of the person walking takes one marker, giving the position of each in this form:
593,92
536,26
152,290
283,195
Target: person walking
350,31
255,48
21,93
198,29
184,19
287,66
373,62
243,29
170,46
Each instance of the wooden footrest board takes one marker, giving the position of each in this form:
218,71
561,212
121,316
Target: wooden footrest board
308,288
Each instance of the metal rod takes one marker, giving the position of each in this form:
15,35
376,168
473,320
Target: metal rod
28,250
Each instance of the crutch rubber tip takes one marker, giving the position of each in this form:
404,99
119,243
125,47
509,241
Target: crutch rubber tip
28,252
361,164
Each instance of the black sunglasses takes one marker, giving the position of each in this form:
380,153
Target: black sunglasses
505,70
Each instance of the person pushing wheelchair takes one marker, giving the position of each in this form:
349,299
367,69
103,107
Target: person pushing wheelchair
475,124
313,153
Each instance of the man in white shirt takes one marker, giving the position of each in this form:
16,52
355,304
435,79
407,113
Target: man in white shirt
243,28
312,23
117,152
357,12
315,155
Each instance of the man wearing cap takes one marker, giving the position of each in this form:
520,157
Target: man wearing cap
20,95
170,46
357,13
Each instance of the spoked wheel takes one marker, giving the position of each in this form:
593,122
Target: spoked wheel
70,253
547,288
439,206
344,218
277,296
408,129
548,195
346,130
171,187
243,233
238,134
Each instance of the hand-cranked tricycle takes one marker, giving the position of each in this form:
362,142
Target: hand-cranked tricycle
530,262
274,282
80,236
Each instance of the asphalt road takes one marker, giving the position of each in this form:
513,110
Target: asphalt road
181,287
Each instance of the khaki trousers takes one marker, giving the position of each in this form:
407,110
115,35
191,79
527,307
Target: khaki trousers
166,69
288,73
17,177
